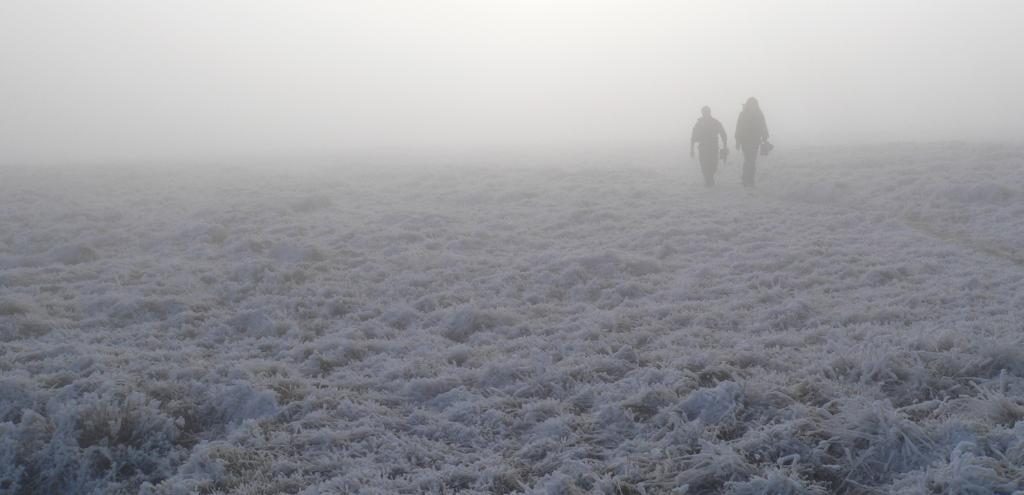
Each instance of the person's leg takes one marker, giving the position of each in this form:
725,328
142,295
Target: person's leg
749,163
708,169
708,165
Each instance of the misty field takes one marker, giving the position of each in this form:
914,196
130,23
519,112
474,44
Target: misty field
853,325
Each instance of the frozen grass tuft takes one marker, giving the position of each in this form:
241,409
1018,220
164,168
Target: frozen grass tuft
519,331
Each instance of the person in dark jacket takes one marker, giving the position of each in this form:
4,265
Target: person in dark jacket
751,131
706,133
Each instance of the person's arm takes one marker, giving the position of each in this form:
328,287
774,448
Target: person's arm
725,138
764,129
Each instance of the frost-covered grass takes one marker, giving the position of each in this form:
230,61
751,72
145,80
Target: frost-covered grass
855,325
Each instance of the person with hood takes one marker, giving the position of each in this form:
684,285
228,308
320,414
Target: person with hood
751,131
706,133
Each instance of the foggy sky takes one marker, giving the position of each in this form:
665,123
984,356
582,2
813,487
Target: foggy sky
120,80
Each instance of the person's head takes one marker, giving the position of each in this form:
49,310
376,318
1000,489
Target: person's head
706,111
751,104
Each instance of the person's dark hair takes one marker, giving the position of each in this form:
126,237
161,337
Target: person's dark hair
751,104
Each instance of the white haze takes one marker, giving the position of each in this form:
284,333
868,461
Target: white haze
130,80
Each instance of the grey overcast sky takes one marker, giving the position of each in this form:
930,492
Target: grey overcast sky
121,80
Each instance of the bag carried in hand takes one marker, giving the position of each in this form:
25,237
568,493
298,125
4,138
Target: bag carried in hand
766,148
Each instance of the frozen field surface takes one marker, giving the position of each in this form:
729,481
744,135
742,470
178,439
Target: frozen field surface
854,325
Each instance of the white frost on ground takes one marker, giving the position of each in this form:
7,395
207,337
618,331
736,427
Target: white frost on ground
855,325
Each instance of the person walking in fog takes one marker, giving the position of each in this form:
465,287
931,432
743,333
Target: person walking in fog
705,133
751,131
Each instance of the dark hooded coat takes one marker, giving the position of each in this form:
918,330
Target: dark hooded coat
751,128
